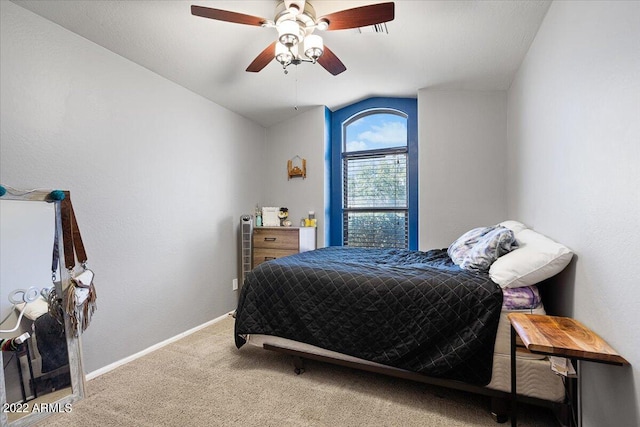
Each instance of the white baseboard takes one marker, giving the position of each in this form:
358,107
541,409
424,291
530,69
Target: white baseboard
112,366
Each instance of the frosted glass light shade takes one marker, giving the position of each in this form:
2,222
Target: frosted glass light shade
283,54
313,47
289,33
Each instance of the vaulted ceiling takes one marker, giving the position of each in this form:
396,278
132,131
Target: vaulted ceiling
466,45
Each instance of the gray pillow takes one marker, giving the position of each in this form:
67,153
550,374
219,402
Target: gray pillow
488,248
464,244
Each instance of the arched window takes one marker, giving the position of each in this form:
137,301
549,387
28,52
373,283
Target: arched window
374,149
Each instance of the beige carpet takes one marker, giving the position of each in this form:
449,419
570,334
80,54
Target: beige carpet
203,380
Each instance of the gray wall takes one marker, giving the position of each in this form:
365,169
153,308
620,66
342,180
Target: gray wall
304,136
157,174
462,163
78,117
574,157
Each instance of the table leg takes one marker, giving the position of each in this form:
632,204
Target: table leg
514,394
572,388
578,397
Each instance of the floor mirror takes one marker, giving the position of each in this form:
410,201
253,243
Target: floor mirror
42,367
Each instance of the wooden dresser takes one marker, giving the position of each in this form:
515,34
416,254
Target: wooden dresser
276,242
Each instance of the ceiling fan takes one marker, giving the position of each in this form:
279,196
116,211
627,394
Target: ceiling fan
296,22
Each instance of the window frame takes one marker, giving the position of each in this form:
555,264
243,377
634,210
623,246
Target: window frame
339,120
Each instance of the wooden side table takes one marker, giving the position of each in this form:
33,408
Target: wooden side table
557,336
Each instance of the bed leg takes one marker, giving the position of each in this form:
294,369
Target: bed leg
298,365
499,409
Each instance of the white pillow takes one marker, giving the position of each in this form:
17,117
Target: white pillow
34,309
536,259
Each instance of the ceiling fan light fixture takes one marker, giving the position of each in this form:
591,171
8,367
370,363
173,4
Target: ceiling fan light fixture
283,54
289,33
313,47
295,21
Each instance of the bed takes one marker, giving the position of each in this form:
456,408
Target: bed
411,314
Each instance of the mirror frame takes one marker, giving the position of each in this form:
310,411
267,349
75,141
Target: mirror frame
74,344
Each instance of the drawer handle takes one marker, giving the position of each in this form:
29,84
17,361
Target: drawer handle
269,239
268,258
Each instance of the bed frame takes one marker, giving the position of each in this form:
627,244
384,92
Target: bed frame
500,400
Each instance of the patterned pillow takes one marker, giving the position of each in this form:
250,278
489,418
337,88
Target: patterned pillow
464,244
491,246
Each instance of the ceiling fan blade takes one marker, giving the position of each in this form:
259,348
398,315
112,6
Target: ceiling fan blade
263,59
225,15
360,16
330,62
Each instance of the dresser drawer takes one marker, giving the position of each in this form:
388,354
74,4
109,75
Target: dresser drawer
275,242
262,255
270,238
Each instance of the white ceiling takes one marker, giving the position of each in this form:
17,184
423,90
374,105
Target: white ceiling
471,45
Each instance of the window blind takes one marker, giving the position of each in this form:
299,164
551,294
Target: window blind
375,212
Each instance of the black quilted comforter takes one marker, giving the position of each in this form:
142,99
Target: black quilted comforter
408,309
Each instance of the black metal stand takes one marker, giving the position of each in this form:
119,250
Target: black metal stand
570,384
514,393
